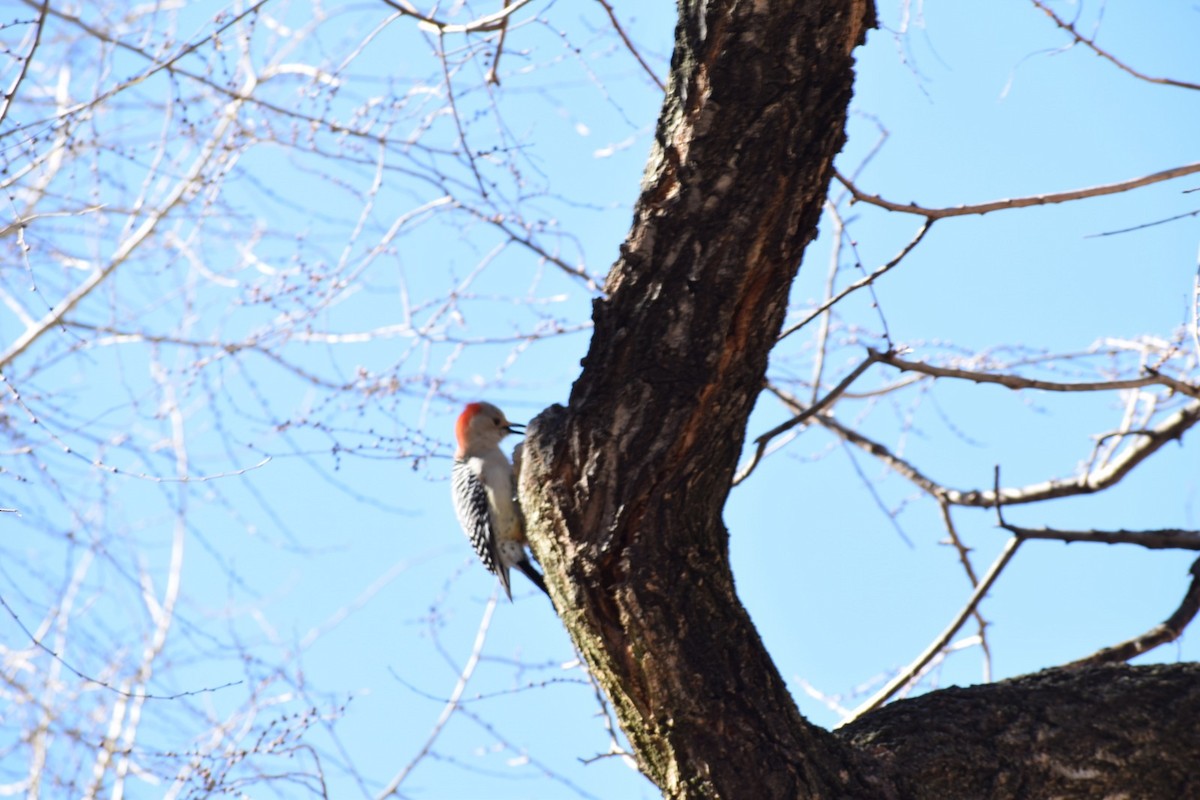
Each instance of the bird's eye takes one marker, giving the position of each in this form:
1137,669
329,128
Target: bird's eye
497,421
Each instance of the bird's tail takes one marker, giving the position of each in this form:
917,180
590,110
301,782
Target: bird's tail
533,575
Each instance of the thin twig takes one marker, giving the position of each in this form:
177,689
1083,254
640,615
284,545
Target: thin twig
861,282
140,694
1170,429
629,45
1121,65
232,92
187,185
964,552
157,64
964,558
912,670
821,347
1017,202
1010,381
452,704
95,462
1196,310
1143,225
763,440
458,125
9,95
527,242
493,76
889,514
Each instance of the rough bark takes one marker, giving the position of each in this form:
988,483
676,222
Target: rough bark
1100,732
628,485
624,488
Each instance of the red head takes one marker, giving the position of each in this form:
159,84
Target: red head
480,427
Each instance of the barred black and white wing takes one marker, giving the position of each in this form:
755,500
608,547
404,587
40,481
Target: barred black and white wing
471,507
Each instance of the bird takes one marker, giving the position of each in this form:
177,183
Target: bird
484,488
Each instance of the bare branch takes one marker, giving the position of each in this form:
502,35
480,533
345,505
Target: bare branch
1170,630
11,92
232,92
488,22
1016,382
861,282
458,123
122,692
821,348
1196,311
629,45
492,75
1144,225
1160,539
912,670
101,465
964,558
1170,429
1017,202
452,704
1109,57
802,415
186,185
527,242
157,64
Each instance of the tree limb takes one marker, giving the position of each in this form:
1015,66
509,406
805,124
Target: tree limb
1170,429
1170,630
1162,539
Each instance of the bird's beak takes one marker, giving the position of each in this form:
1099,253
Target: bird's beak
513,428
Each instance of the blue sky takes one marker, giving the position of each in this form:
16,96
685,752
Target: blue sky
334,576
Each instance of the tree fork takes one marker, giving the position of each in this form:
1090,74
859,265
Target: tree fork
624,489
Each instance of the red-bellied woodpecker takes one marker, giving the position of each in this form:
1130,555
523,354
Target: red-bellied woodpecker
485,494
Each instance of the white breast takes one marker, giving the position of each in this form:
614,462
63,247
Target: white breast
497,477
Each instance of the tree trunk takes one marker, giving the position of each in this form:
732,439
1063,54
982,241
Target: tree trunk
624,489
